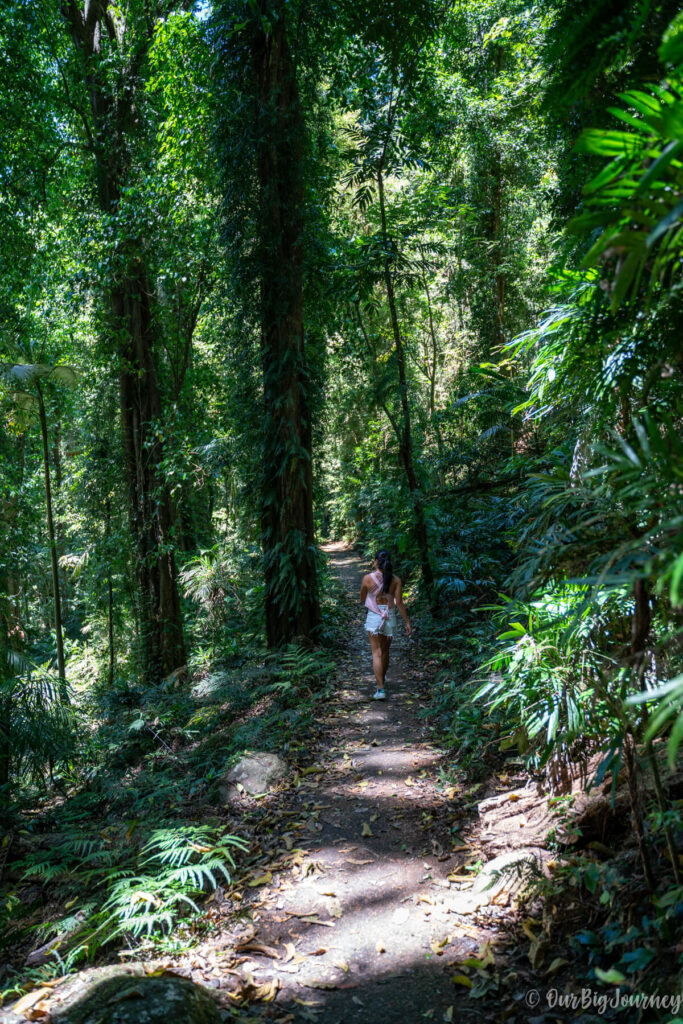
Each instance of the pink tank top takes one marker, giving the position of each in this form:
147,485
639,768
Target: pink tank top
371,598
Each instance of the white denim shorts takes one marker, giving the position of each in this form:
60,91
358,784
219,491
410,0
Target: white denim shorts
378,626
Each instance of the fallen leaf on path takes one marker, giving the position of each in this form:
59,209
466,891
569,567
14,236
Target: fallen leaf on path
261,880
366,831
259,947
30,999
448,1015
537,951
355,860
410,781
291,952
558,962
462,979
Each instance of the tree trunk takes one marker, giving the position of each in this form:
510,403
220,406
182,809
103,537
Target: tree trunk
405,441
150,508
432,383
114,109
498,276
59,528
61,669
110,598
287,484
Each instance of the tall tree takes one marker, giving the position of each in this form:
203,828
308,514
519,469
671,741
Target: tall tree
260,49
111,49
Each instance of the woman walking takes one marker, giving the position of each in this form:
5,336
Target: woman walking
381,592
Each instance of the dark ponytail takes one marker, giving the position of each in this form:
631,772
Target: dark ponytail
383,559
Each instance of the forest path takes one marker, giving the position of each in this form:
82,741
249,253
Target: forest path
368,917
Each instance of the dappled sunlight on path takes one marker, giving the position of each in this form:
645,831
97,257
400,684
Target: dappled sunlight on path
370,921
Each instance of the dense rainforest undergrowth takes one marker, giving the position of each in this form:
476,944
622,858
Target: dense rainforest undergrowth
279,272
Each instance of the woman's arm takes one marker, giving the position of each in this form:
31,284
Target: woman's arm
398,597
363,590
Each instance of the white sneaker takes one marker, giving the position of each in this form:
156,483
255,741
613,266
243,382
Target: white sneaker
379,695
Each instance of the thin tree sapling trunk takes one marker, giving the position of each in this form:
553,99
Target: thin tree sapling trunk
61,668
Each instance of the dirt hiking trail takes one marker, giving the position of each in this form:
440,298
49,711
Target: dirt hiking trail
370,920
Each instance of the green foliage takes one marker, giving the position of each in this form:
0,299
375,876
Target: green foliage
178,863
146,889
634,198
38,728
550,676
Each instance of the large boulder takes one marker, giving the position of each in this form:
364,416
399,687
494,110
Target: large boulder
253,774
125,995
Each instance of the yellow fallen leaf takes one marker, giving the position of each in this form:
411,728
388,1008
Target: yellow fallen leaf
513,798
291,952
558,962
366,830
437,946
261,880
267,991
409,781
145,897
486,954
342,965
461,979
374,817
38,1012
526,928
448,1015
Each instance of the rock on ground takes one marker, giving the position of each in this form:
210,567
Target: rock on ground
124,995
255,773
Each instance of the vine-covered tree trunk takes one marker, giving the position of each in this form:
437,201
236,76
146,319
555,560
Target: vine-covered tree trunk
405,439
287,485
150,508
114,114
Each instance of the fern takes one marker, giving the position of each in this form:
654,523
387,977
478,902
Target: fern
145,891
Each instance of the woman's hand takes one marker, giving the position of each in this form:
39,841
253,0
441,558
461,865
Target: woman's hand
409,629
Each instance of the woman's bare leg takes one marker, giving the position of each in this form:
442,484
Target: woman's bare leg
377,659
385,642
